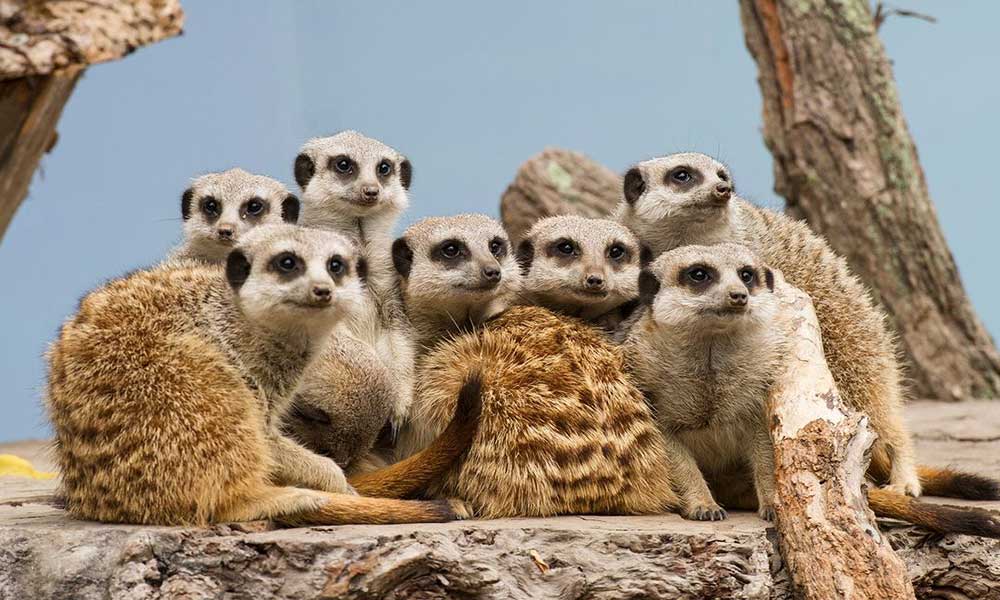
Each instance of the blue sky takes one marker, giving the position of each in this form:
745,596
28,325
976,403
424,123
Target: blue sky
468,91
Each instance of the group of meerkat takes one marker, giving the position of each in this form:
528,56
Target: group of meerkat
290,360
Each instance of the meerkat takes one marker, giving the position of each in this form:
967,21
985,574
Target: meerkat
563,430
689,199
587,268
167,389
219,208
706,350
455,273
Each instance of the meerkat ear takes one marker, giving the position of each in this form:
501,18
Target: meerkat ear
645,255
635,185
769,279
290,207
402,257
237,269
186,199
362,270
405,173
525,256
649,286
305,168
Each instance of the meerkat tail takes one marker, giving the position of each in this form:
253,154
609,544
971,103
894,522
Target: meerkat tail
345,509
939,518
410,477
957,484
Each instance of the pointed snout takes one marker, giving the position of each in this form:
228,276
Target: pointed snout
370,191
594,281
737,298
226,232
723,191
321,293
490,274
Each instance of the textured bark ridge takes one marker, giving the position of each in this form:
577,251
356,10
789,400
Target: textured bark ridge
557,182
829,538
845,161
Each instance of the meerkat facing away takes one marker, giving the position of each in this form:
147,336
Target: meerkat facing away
588,268
563,430
688,199
166,392
455,273
706,351
219,208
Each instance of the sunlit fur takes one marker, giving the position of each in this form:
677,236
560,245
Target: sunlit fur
166,392
560,283
707,362
232,190
859,348
563,429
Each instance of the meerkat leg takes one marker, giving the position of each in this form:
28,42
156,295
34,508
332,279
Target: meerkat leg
762,465
296,465
696,499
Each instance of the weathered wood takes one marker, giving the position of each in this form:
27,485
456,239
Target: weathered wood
40,37
557,182
29,110
846,162
828,536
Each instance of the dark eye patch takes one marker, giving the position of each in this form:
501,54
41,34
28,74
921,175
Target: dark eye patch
450,251
618,252
749,277
288,265
338,267
211,207
563,248
384,168
697,277
254,208
683,177
342,165
498,247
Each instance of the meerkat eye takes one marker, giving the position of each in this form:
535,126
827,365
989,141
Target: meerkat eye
747,276
498,247
336,266
681,175
450,249
342,164
384,168
286,262
698,274
566,247
255,206
723,175
617,252
210,206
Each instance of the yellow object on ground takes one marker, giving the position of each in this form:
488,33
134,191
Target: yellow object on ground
18,467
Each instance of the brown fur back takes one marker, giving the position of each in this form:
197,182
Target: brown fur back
563,430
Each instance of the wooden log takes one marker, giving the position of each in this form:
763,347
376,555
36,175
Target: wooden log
828,535
846,162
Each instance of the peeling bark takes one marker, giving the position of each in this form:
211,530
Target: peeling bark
845,161
828,535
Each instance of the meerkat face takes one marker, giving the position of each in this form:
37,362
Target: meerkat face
680,185
721,288
219,208
353,175
581,266
455,262
292,278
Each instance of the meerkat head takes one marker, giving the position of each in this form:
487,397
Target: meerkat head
219,208
580,266
687,185
288,278
718,288
456,266
352,175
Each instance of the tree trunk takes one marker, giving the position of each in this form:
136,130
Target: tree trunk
845,161
829,539
29,110
557,182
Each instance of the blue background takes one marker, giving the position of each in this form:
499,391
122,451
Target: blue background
468,91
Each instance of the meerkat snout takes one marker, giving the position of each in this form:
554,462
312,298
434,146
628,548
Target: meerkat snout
738,298
226,232
491,274
723,191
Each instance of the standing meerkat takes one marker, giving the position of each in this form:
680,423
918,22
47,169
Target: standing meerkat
705,350
219,208
167,389
587,268
455,273
688,198
563,430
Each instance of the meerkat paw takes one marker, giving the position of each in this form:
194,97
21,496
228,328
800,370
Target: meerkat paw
766,512
705,512
461,508
906,482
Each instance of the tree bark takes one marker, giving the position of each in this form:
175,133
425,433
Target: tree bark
29,110
828,535
845,161
557,182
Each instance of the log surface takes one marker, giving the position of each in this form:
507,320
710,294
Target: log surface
44,555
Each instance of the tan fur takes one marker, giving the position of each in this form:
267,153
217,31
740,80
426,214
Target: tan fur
563,430
859,348
210,237
568,266
167,388
446,296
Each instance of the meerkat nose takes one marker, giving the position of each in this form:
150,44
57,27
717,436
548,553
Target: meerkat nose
226,232
321,293
370,191
491,274
737,298
595,281
723,191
